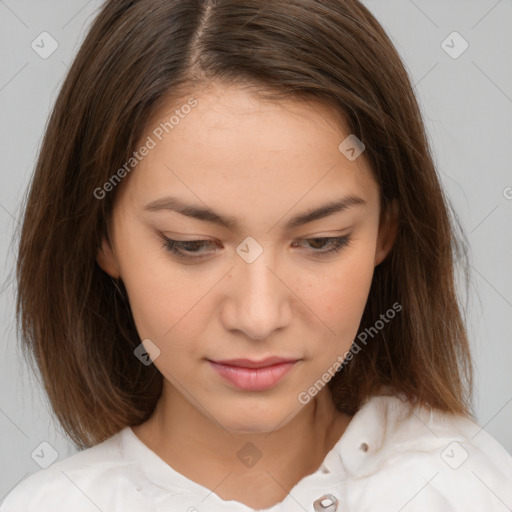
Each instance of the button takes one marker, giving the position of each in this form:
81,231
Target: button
327,503
364,447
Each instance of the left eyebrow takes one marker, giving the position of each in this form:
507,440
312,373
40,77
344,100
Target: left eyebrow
324,211
208,215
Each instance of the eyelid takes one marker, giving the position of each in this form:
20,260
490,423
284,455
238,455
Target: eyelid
336,244
199,238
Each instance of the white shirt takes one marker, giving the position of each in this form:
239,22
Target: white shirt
391,458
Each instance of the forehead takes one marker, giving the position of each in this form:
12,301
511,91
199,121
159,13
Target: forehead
232,143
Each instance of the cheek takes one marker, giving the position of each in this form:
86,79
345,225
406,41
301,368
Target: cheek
165,308
163,304
349,290
159,291
340,297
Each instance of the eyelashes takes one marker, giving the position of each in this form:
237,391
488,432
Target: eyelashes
335,243
190,249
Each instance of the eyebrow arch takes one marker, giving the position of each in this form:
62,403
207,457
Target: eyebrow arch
208,215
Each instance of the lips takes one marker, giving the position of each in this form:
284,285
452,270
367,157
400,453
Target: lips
249,375
249,363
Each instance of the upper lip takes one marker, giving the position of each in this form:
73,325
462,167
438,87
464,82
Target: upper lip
248,363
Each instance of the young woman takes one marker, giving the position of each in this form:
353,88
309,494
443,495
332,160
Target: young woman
236,273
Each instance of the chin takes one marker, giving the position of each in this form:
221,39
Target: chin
253,420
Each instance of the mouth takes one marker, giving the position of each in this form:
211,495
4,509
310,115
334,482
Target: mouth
252,375
249,363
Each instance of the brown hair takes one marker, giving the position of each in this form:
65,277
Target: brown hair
75,321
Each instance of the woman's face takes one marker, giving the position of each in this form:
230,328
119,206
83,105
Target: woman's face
268,278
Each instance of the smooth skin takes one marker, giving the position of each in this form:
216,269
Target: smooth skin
261,163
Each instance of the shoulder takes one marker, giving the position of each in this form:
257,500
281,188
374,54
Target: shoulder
413,458
83,482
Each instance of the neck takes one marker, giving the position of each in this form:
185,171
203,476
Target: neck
241,465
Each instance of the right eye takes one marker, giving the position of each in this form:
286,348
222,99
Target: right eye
186,248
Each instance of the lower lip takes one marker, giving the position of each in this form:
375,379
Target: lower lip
253,379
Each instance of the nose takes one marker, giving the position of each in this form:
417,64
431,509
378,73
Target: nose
258,300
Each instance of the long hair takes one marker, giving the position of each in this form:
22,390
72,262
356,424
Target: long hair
75,322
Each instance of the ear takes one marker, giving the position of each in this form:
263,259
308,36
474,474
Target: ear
388,230
106,259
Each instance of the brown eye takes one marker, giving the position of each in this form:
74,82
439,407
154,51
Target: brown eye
334,244
186,248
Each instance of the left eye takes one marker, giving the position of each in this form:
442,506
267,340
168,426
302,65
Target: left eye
191,248
335,243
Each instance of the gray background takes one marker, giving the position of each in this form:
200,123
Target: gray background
467,105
